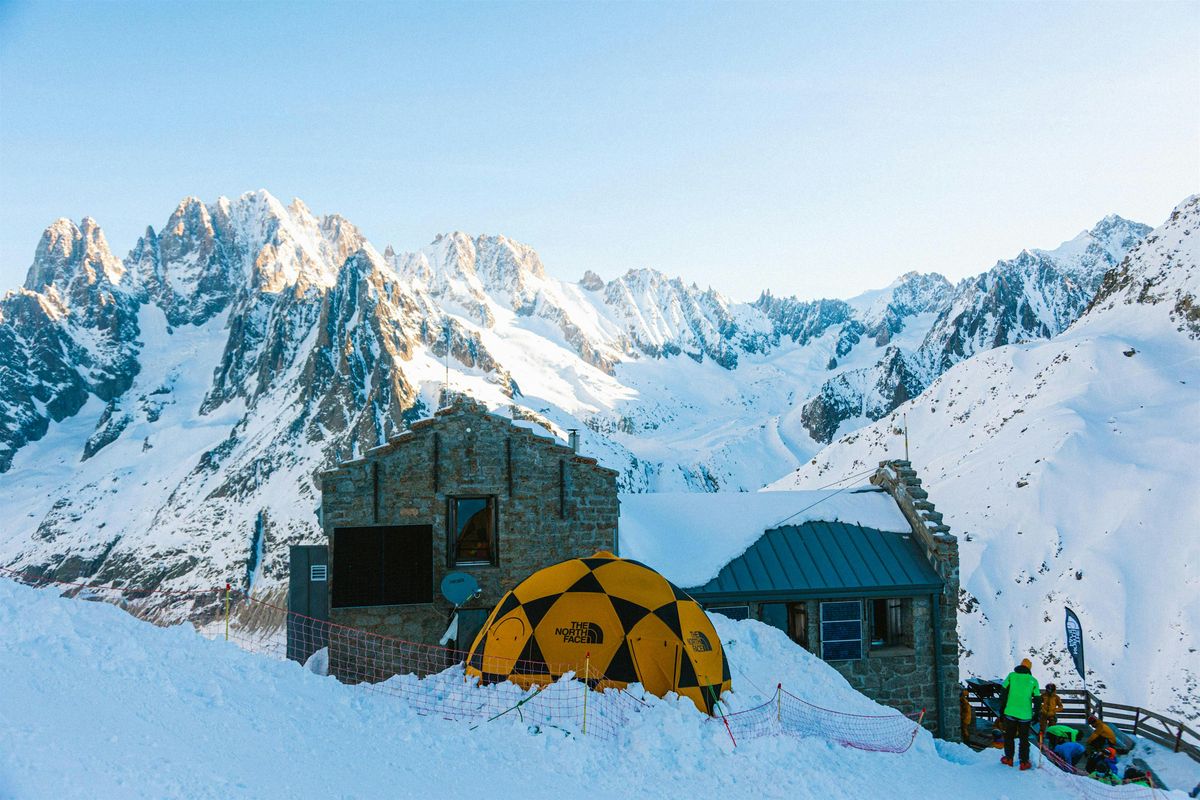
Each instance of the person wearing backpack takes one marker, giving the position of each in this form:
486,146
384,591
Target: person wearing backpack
1020,689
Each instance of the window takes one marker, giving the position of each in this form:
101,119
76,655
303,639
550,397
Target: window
472,529
841,630
382,566
798,624
891,624
733,612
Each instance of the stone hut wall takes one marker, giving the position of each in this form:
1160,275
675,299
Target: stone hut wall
900,480
552,504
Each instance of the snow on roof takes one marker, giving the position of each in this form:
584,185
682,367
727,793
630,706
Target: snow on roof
688,537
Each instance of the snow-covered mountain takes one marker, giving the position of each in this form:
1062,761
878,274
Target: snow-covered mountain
162,416
1065,466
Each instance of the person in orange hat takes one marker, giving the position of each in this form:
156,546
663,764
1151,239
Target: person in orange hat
1052,706
1020,689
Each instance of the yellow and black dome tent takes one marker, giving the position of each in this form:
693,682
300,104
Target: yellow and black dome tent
629,623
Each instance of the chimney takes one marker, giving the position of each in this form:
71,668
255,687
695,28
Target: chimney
573,439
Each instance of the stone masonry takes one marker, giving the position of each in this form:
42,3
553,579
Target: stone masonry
552,504
900,480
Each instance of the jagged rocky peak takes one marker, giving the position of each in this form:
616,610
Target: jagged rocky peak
72,258
454,253
343,236
886,312
802,320
1092,252
498,262
591,281
508,266
188,269
1163,268
282,248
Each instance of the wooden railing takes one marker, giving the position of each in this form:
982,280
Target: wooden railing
1078,705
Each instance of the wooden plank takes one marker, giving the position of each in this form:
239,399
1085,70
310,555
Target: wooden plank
1120,707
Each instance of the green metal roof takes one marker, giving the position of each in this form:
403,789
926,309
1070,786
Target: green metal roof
823,559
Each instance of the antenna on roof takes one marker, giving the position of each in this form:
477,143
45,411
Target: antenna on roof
446,385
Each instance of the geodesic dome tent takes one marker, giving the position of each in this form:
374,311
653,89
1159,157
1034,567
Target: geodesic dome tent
607,619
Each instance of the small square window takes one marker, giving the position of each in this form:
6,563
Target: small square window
472,529
318,572
891,624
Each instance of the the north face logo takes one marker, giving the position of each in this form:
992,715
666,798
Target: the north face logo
581,633
699,642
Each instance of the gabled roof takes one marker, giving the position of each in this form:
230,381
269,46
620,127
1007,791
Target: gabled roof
824,559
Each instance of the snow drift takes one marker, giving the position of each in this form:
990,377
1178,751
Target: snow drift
99,705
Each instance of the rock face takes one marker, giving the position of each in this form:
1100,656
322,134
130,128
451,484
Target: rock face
70,333
1036,295
162,417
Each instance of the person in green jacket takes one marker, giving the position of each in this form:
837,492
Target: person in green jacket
1020,689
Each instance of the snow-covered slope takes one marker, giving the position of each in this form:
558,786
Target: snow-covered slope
1067,469
162,417
99,705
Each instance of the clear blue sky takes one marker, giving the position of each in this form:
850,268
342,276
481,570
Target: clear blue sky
809,148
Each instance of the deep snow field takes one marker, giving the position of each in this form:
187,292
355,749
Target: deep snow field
96,704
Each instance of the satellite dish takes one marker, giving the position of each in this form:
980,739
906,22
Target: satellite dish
459,587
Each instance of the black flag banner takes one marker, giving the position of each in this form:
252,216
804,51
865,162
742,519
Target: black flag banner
1075,642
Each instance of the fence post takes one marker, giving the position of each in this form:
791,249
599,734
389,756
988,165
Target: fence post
1179,738
227,611
779,703
587,674
1137,719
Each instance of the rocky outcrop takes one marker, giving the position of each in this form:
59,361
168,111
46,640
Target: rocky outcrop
1033,296
71,332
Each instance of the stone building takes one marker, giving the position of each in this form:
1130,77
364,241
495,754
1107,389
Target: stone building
867,580
464,491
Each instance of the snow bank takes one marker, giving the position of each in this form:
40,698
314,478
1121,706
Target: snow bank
688,537
96,704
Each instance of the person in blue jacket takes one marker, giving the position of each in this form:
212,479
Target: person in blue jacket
1069,751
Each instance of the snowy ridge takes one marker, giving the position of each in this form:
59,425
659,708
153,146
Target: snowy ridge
1065,468
162,418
